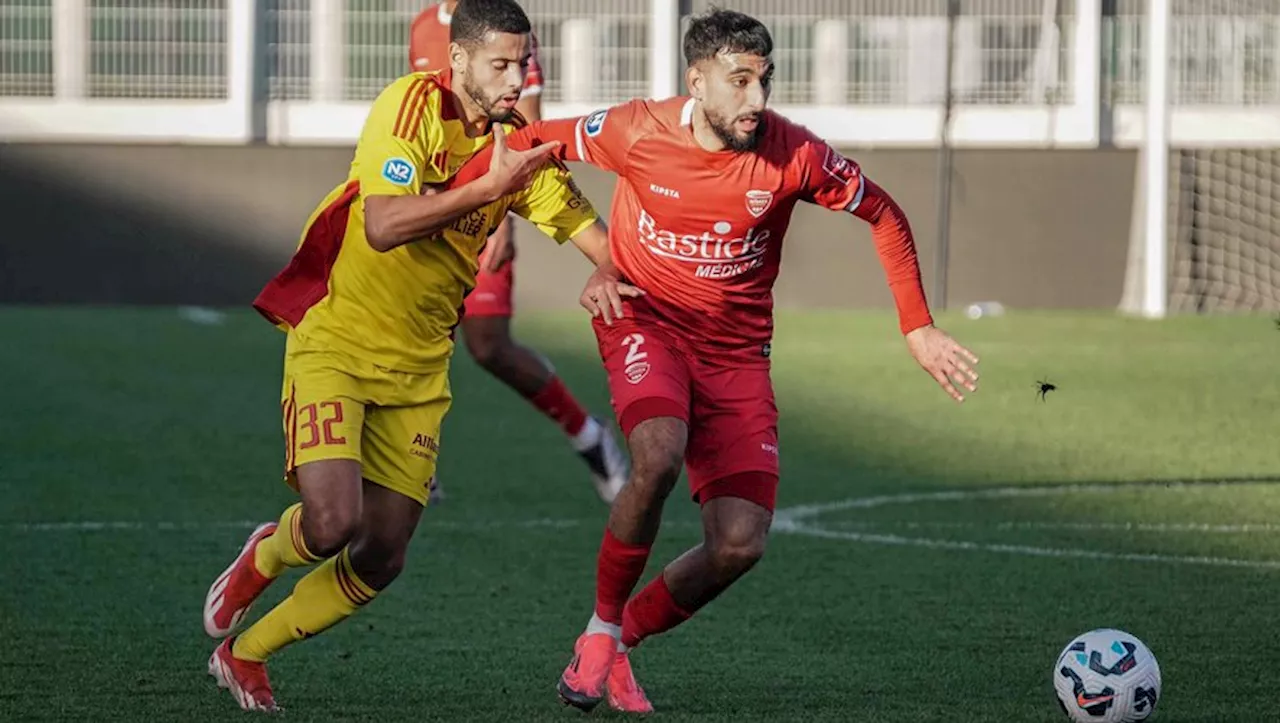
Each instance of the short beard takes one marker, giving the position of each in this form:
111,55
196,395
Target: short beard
724,131
476,94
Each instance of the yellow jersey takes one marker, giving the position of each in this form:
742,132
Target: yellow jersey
398,309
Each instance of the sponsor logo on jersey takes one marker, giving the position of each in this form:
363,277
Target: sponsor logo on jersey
759,201
839,167
595,123
718,252
398,171
664,191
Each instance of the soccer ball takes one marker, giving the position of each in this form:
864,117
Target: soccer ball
1107,676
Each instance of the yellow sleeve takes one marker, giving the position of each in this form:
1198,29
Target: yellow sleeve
392,151
554,204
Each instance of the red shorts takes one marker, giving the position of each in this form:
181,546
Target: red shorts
493,293
730,410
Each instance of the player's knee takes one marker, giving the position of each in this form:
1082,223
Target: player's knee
487,346
656,470
484,349
378,562
732,557
326,531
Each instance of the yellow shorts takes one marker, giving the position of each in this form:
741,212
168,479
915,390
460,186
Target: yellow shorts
336,406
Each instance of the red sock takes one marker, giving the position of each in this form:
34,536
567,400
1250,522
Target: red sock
651,612
556,402
618,568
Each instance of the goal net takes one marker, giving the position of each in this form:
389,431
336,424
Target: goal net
1224,230
1222,207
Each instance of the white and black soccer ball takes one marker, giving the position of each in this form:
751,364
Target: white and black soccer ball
1107,676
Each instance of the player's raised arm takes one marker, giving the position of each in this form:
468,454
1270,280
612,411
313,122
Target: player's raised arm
390,158
603,139
835,182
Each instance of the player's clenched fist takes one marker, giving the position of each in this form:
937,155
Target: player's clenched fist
944,359
511,171
604,291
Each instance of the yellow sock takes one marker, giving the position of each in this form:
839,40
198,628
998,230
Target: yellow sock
284,548
324,597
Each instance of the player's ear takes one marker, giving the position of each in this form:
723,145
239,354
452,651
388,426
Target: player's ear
458,57
696,81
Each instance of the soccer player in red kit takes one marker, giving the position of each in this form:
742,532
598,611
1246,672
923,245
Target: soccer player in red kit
706,187
486,316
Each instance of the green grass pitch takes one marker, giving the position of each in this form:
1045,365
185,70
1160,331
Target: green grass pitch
880,599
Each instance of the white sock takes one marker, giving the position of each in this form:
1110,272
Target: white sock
622,648
588,436
596,625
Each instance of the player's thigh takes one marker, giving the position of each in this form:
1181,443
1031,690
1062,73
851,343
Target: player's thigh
493,294
402,440
649,377
733,442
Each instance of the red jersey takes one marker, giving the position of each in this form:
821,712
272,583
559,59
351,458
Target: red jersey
701,232
429,47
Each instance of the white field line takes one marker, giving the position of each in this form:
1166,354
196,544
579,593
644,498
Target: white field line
1152,527
898,540
802,520
802,512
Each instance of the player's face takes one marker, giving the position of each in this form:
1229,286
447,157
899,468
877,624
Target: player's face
493,72
733,89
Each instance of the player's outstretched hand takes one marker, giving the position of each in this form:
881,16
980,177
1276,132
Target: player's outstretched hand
603,294
511,171
944,359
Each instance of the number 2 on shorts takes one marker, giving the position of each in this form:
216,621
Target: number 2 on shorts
634,354
313,425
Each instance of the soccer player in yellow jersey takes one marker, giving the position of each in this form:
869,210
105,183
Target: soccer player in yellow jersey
370,301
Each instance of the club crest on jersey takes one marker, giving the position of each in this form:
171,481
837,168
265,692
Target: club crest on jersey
595,123
759,201
398,171
636,371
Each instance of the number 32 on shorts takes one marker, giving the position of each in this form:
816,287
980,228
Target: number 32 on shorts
317,422
636,366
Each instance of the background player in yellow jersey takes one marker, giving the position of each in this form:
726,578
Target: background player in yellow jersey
370,301
486,317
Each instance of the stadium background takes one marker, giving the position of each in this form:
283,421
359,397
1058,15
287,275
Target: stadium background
933,558
252,106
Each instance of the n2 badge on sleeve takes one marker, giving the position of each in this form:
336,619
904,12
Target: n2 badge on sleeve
595,123
398,171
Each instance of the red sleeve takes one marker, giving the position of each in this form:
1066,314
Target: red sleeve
534,134
605,137
897,250
602,139
837,183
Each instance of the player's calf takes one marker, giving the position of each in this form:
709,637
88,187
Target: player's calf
736,531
